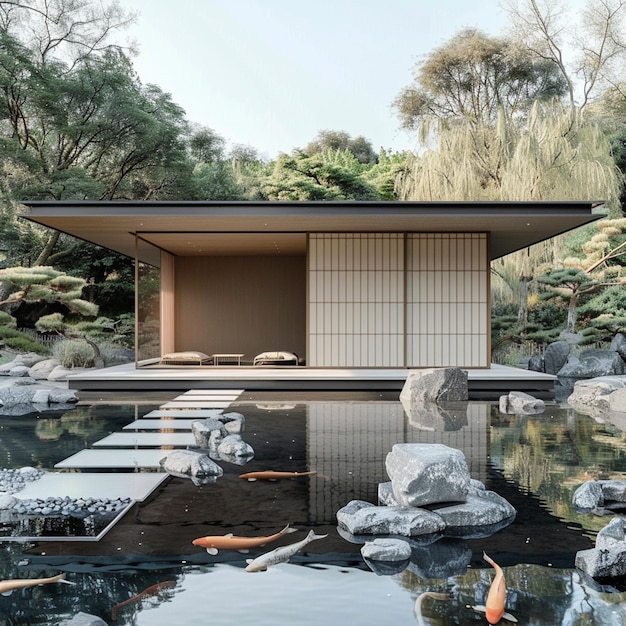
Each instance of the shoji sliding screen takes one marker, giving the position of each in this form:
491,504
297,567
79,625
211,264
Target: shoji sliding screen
356,300
398,300
447,300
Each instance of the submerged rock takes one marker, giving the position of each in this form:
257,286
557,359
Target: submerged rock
83,619
520,403
386,549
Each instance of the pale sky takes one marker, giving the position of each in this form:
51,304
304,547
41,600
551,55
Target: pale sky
273,73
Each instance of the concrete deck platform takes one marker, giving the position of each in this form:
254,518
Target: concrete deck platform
497,379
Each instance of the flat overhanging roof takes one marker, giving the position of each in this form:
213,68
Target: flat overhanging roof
188,228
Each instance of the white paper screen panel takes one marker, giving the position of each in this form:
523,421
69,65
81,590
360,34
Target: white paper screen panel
356,300
447,300
398,300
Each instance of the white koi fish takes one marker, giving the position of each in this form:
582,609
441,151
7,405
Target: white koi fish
280,555
418,603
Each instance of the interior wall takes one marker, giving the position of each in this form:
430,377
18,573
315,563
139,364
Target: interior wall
248,304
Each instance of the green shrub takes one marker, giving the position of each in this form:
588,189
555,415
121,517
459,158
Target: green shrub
78,353
21,342
74,353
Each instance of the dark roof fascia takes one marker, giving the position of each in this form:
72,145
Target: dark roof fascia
233,208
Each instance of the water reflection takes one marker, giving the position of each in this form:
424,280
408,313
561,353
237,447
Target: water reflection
535,462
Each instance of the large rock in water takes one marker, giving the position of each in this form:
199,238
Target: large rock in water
434,385
363,518
608,558
427,473
521,403
594,393
189,464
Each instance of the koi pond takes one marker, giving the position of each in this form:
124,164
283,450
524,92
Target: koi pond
144,570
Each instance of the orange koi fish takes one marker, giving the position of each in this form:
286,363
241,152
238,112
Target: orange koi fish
494,608
272,475
214,543
150,591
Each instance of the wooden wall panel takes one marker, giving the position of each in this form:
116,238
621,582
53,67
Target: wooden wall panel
248,304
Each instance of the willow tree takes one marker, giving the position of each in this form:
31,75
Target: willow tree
553,155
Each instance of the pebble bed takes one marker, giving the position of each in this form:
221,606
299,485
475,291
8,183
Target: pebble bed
12,481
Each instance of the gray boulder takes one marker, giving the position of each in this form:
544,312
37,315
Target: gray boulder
588,496
233,422
386,549
594,494
12,395
18,371
608,558
536,364
62,396
28,359
234,449
194,465
593,363
594,392
520,403
427,473
617,401
435,385
362,518
43,369
618,344
482,508
83,619
555,356
203,429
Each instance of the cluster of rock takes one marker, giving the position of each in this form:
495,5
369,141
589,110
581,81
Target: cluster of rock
561,359
430,498
218,439
596,495
608,558
29,379
14,480
37,367
63,506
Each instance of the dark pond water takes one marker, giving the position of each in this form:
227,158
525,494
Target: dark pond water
146,571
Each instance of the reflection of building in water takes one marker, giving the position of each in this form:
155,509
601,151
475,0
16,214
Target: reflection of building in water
348,443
